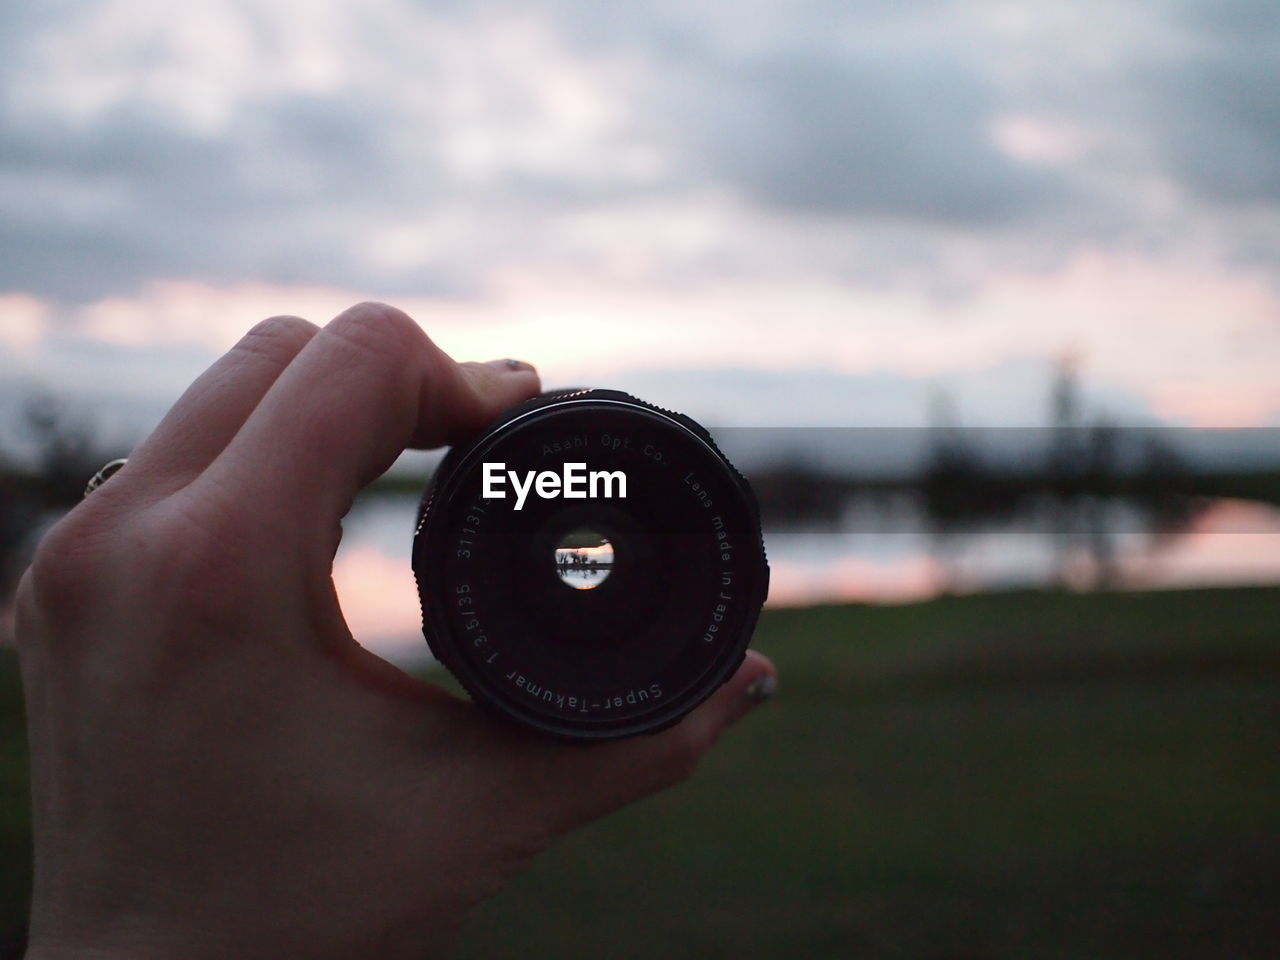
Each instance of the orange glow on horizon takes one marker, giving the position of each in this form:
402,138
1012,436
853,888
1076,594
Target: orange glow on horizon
1197,342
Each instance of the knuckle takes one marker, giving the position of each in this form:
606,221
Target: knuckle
282,334
194,569
196,533
67,567
379,328
24,618
184,562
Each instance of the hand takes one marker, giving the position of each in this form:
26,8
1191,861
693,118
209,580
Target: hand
219,769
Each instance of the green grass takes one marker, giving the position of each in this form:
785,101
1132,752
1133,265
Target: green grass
1030,775
15,807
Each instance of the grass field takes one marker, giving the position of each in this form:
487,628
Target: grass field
1029,775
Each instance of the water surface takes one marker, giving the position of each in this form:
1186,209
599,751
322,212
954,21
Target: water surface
882,552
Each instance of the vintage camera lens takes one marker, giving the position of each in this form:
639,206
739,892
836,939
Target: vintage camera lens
590,565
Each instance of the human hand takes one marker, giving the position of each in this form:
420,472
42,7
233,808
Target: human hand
218,768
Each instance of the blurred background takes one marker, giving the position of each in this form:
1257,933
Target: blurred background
983,296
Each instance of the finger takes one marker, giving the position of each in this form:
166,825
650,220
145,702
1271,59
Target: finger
576,785
216,405
367,386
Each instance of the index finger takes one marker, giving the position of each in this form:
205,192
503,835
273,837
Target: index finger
368,385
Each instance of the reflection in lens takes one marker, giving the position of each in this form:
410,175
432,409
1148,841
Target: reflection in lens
584,559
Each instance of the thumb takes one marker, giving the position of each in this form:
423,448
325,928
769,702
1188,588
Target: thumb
478,393
578,784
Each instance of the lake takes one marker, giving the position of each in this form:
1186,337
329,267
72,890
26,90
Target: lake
881,551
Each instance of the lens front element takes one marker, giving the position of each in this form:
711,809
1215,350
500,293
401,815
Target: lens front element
584,558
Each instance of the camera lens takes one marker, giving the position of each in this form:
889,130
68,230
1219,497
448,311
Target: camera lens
590,565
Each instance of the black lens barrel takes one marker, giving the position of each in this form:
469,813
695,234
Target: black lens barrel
601,576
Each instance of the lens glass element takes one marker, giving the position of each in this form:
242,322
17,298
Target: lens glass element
584,559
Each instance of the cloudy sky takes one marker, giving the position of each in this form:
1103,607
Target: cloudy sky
766,212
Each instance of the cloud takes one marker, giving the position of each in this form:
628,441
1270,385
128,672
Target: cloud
431,149
289,191
860,131
847,185
1248,22
1219,123
375,146
425,149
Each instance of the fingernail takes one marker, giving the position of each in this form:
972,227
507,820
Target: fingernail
763,688
509,365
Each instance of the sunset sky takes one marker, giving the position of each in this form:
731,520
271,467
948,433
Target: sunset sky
765,212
